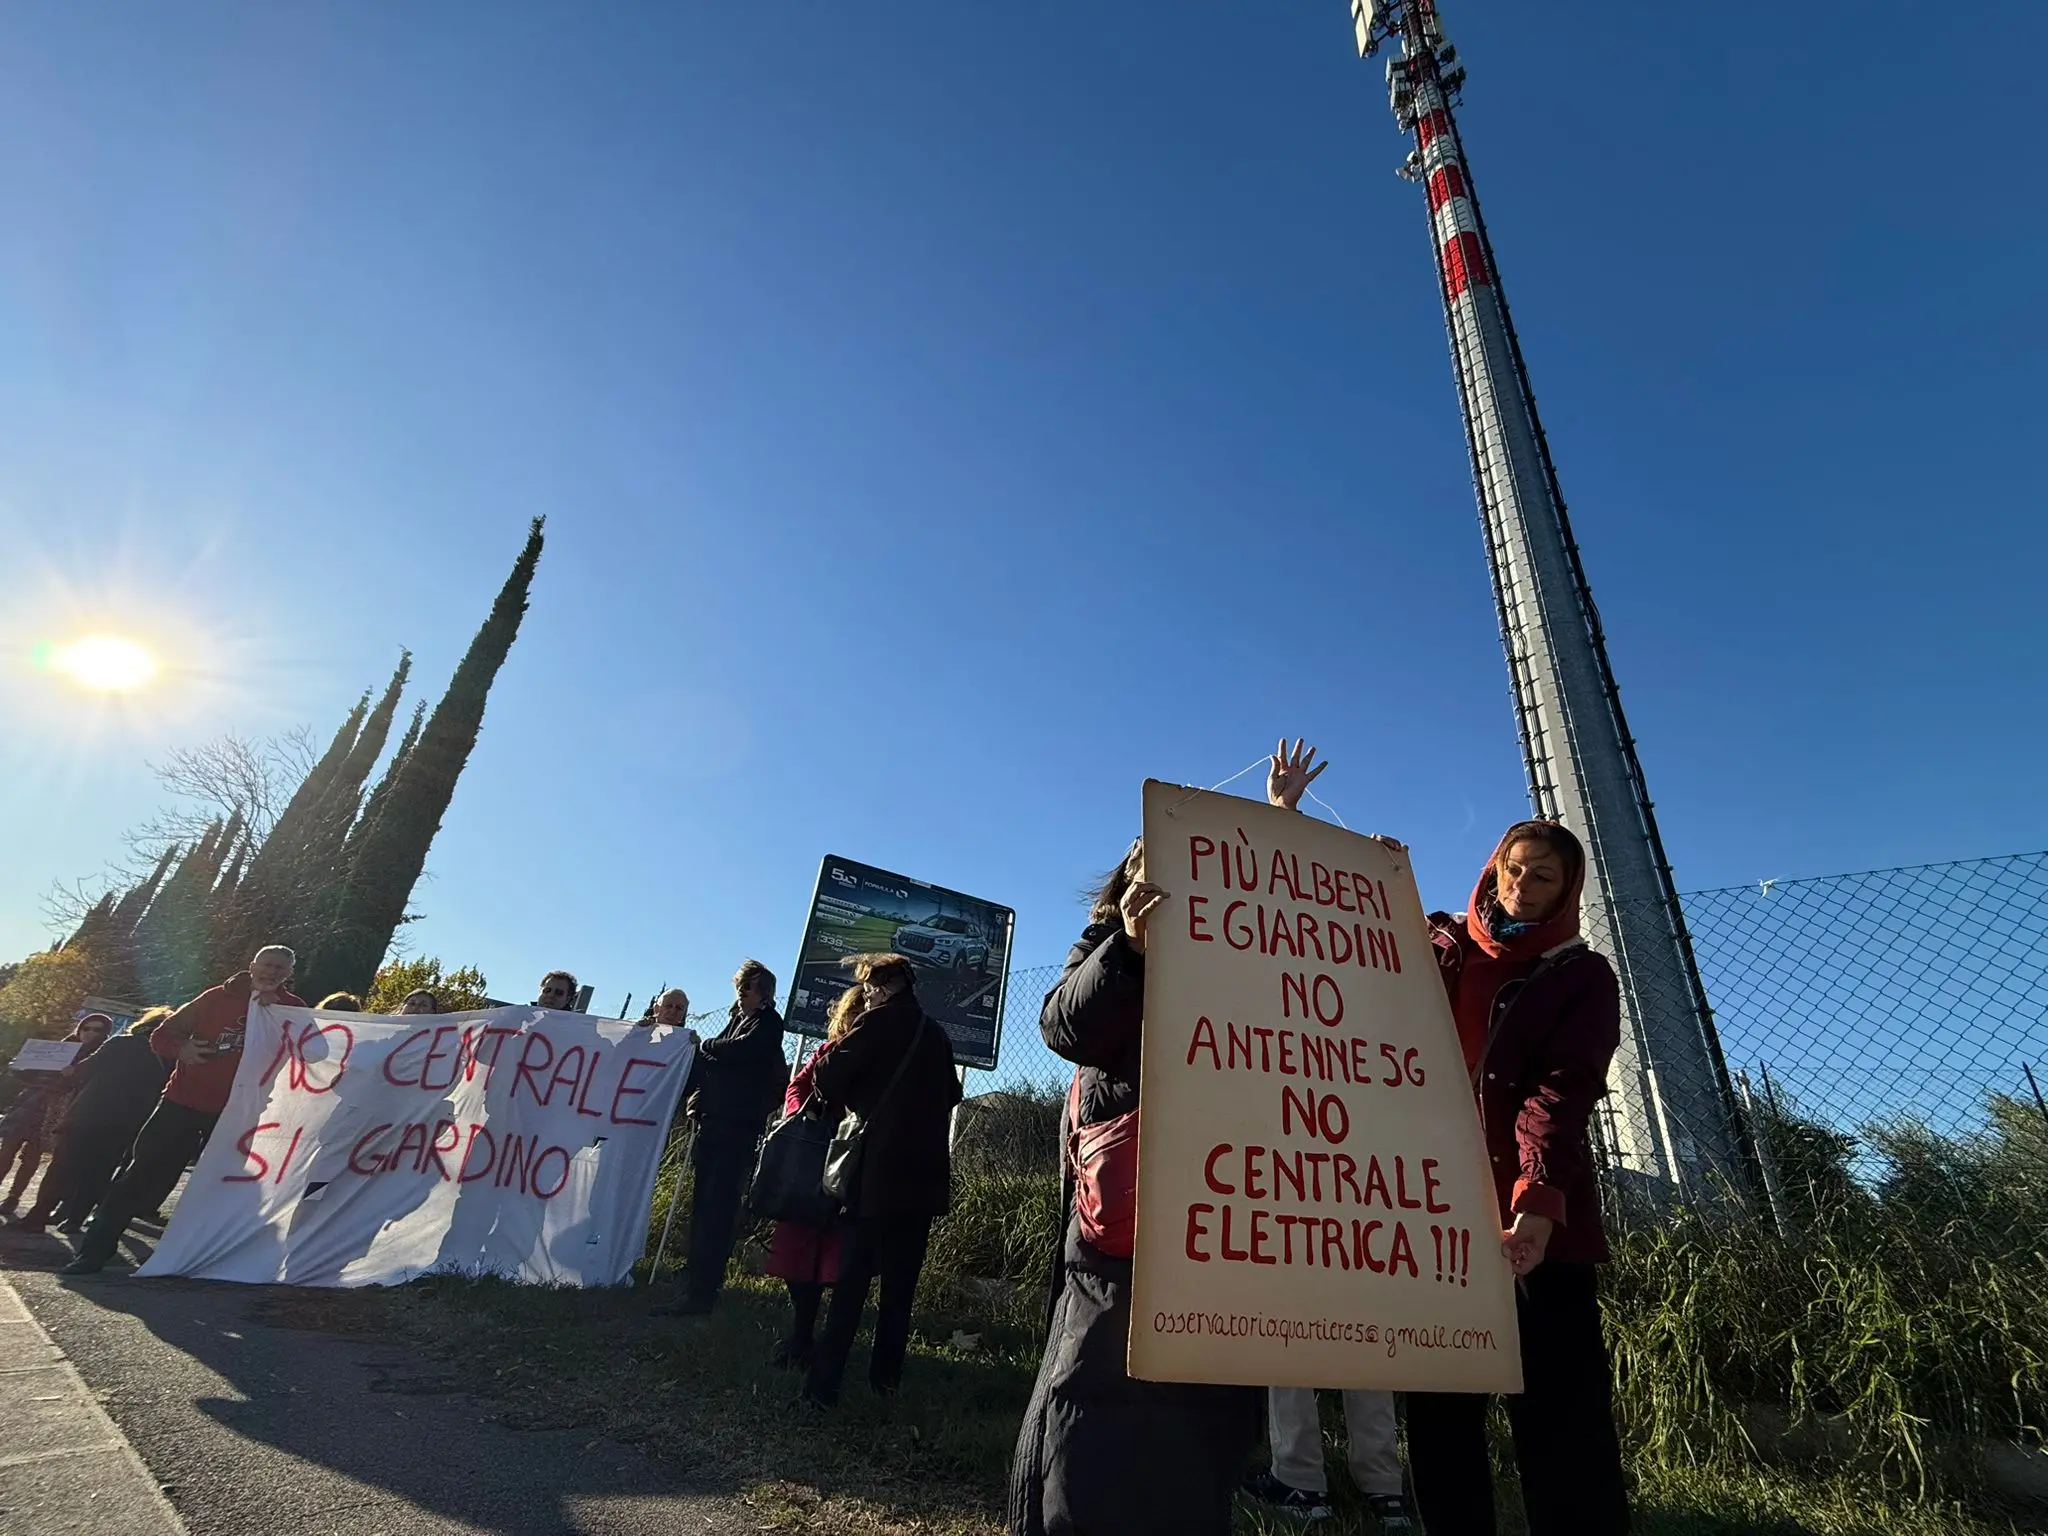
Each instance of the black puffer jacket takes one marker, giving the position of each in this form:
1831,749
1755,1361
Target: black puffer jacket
1092,1019
906,1162
1097,1450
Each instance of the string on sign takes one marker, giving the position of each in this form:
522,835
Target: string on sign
1256,762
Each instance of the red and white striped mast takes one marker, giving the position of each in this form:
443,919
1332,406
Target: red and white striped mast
1672,1120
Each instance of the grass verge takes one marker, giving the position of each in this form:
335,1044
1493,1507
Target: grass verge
698,1397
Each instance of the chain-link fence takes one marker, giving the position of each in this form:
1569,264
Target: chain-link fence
1871,1028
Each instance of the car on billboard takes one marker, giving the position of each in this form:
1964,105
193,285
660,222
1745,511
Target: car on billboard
942,942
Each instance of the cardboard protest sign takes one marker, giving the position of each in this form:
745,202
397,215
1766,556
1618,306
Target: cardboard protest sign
45,1055
362,1150
1314,1204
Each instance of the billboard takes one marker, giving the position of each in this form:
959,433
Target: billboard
959,945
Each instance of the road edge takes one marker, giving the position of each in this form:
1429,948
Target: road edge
129,1473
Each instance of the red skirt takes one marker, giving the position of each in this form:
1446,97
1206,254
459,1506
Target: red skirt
807,1255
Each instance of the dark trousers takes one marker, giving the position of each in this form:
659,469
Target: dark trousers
168,1140
1563,1425
891,1247
805,1298
80,1170
724,1163
29,1150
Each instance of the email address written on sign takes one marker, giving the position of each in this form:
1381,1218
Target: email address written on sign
1323,1330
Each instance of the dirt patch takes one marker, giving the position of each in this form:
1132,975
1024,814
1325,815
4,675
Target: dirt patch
346,1312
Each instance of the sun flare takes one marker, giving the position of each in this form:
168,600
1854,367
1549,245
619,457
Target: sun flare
104,663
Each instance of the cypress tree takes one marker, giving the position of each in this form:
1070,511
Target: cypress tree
392,852
227,910
292,880
129,909
272,876
355,769
319,872
113,959
95,928
172,941
373,809
291,821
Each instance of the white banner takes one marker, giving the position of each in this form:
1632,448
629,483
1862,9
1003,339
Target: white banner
366,1150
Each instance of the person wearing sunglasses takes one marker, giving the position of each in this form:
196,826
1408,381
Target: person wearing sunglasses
558,991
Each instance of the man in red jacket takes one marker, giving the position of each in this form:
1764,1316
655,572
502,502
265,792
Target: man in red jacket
204,1040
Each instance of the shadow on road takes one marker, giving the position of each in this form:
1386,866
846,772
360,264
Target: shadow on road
267,1408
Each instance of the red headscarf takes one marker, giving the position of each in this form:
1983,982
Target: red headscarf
1498,935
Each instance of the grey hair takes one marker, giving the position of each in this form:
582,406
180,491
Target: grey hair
673,992
268,950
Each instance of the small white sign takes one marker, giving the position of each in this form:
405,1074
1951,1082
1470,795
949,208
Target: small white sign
46,1055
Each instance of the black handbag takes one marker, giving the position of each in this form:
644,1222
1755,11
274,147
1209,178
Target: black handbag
843,1160
789,1175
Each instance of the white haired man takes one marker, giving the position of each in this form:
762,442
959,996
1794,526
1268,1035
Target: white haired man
671,1008
204,1040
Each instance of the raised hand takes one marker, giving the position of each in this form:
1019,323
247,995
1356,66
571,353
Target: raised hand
1289,775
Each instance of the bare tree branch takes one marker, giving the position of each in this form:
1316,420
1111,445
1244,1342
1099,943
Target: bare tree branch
210,783
65,903
218,778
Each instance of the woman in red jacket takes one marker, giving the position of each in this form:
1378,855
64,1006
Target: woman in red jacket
1539,1016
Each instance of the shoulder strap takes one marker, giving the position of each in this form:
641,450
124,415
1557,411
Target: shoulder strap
909,1051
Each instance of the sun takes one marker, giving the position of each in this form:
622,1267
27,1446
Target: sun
104,663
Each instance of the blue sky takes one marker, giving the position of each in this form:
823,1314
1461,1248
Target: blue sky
947,416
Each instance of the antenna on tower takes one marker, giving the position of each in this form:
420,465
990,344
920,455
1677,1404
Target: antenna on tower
1677,1131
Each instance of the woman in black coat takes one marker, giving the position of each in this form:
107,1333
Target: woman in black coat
906,1169
1102,1454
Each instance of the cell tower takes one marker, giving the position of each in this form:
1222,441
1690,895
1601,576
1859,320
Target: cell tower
1669,1121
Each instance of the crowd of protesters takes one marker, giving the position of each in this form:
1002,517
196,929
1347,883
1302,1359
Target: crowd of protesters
1098,1451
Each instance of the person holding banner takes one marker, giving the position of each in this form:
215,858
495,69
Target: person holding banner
558,990
204,1040
1099,1451
672,1009
1539,1017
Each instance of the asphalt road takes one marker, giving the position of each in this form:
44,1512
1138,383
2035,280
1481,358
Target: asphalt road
252,1429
